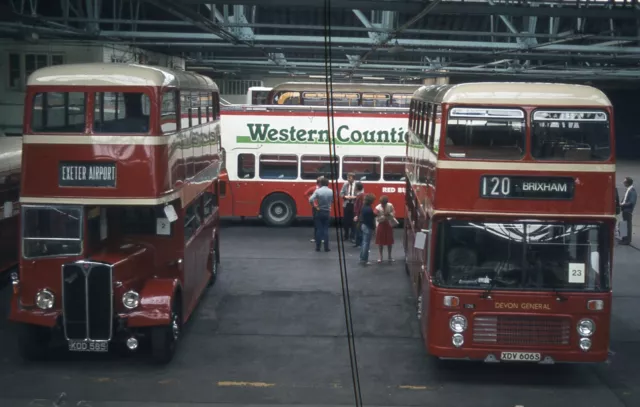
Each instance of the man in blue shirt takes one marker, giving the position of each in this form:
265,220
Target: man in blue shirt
324,198
627,206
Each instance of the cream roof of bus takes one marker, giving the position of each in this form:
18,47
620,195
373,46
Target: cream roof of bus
10,154
107,74
510,93
345,87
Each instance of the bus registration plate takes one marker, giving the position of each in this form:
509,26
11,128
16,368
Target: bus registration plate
88,346
520,356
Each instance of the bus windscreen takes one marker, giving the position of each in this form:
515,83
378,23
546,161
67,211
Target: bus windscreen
522,255
570,135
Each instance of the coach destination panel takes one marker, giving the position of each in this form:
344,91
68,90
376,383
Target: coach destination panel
87,174
524,187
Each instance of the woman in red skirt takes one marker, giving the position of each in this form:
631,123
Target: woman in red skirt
386,220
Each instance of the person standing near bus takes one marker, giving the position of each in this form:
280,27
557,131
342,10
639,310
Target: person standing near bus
367,225
324,198
357,207
386,220
348,195
627,206
314,207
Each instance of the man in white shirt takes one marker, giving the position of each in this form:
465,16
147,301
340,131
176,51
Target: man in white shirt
348,195
627,206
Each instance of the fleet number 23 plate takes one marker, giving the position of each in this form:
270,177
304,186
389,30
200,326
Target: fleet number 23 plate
88,346
520,356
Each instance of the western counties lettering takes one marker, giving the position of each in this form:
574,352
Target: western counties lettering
263,132
523,306
544,186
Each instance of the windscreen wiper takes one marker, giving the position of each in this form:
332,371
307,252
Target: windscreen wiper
487,293
559,296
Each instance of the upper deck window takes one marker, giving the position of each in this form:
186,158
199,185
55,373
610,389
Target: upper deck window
375,99
576,135
58,112
401,99
121,112
485,133
49,231
287,98
339,99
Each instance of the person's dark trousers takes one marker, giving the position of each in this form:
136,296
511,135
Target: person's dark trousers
322,229
358,240
314,211
628,217
347,220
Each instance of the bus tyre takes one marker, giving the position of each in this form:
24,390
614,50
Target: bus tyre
215,264
164,339
33,341
278,210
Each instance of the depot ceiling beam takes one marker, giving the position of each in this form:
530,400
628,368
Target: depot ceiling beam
561,9
553,34
494,46
630,73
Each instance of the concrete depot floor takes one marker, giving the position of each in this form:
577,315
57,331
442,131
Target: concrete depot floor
272,332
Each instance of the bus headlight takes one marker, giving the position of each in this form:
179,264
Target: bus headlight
45,299
457,340
585,344
131,299
586,327
458,323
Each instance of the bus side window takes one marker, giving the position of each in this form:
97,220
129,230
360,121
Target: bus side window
246,166
432,128
411,115
185,106
169,113
273,166
365,168
421,109
58,112
216,106
314,166
209,203
393,168
287,98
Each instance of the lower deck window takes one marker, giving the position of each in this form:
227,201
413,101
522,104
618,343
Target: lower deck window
278,166
522,255
49,231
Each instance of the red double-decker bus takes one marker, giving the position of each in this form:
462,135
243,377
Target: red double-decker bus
10,157
510,221
119,219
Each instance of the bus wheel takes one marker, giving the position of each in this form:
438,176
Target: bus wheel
33,341
164,339
215,264
278,210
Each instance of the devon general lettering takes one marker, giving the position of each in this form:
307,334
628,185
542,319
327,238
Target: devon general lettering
263,132
93,173
523,306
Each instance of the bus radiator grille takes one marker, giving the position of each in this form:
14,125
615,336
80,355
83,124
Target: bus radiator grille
87,301
521,330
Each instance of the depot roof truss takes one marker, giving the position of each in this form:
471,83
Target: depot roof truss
582,39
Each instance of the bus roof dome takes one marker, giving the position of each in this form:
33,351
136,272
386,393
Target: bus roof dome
111,74
515,93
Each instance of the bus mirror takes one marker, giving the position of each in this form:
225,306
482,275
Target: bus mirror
171,214
8,209
421,239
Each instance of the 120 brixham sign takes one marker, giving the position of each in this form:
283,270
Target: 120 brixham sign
266,133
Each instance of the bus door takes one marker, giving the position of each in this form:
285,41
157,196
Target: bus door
245,191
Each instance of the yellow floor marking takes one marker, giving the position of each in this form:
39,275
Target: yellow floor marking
244,384
102,379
